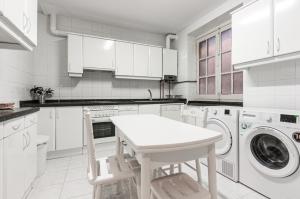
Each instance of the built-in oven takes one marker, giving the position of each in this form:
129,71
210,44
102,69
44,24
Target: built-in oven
103,128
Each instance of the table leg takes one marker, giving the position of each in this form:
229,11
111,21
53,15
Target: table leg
118,147
145,177
212,173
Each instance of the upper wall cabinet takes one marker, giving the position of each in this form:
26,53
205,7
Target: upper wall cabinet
155,62
265,31
18,24
252,32
141,60
170,62
124,59
286,26
98,54
75,62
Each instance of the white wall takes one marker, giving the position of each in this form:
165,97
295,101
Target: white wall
16,75
50,61
273,86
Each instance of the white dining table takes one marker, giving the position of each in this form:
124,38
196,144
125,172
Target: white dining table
158,141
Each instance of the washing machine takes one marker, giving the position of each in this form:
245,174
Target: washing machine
225,119
269,152
194,115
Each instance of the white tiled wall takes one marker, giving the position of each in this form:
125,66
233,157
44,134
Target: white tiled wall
50,63
16,75
273,86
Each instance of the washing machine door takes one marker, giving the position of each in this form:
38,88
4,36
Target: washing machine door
271,152
224,145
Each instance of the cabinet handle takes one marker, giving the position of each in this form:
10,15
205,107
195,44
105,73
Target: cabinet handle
268,48
278,44
24,142
16,127
29,26
24,21
29,139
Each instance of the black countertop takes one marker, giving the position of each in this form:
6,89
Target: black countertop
11,114
93,102
214,103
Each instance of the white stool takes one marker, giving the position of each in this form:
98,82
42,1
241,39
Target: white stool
177,186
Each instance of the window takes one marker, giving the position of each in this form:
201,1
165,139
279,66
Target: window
216,77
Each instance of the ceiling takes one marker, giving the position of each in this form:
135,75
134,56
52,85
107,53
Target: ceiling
159,16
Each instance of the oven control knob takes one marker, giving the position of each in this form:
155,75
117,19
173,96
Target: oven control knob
269,119
244,126
215,112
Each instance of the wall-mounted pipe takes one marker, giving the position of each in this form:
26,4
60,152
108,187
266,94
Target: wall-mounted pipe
169,38
53,28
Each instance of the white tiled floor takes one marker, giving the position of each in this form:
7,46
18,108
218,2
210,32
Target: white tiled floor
65,178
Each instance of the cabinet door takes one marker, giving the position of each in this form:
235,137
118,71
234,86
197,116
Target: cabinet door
98,54
124,59
69,128
31,29
286,26
155,62
14,11
252,32
75,65
141,60
1,168
46,125
30,161
153,109
14,146
169,62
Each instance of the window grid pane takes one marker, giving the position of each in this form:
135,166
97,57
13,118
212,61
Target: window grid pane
226,84
202,68
202,86
226,62
202,49
211,85
211,66
226,41
211,46
238,82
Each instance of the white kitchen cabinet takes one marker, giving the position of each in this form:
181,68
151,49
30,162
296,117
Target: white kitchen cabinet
46,125
98,54
141,60
128,110
69,128
14,165
170,62
286,26
1,161
252,32
30,153
150,109
171,111
155,62
18,27
124,59
75,55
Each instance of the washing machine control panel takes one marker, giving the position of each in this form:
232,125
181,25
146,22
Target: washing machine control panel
289,118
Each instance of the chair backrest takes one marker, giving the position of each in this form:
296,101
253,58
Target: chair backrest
92,162
194,115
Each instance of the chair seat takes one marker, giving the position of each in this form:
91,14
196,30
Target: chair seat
178,186
113,169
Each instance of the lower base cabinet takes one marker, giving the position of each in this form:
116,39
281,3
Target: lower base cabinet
1,167
153,109
171,111
14,167
19,160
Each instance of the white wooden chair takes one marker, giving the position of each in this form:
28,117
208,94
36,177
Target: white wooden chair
178,186
190,116
104,171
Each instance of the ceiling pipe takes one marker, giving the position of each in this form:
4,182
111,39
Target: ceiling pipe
53,28
169,38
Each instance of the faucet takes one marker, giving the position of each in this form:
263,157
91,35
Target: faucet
150,93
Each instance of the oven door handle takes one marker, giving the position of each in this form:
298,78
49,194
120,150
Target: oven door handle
98,120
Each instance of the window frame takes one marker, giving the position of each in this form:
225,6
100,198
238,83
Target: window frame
218,69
